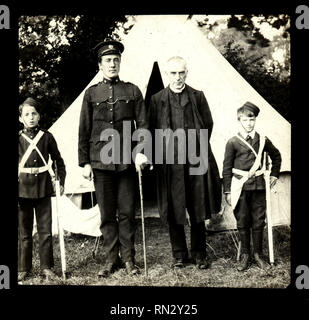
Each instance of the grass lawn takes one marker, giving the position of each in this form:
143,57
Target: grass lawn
82,267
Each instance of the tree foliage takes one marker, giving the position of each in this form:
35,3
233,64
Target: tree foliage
267,81
243,44
56,60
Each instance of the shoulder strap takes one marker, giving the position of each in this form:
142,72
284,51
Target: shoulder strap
247,144
31,147
257,155
257,161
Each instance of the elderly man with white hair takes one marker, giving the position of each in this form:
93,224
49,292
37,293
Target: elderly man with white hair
180,107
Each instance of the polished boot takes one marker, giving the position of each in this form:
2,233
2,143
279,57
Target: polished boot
131,268
178,263
48,274
257,239
244,262
22,276
108,269
244,236
260,262
202,263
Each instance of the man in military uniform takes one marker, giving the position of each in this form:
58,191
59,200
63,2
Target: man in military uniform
179,106
108,105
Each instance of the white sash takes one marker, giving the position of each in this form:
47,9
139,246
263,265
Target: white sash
33,146
237,184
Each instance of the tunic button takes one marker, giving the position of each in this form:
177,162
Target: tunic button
34,160
111,109
98,103
111,122
110,97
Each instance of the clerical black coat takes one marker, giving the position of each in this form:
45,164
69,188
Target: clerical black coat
188,110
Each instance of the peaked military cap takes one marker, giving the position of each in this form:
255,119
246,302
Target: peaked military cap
250,107
108,46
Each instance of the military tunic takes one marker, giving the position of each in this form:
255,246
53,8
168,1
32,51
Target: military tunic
107,105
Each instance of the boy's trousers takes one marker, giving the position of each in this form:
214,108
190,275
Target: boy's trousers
250,214
43,215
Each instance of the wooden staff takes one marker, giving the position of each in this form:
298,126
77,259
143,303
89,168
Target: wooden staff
60,230
268,209
97,239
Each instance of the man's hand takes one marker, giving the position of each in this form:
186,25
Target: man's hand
87,172
273,181
228,199
140,161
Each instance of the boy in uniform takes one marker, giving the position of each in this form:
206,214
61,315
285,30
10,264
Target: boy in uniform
35,189
244,184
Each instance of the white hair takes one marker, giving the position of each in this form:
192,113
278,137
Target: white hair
176,58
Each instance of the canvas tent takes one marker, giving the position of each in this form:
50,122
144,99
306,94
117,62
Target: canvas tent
155,39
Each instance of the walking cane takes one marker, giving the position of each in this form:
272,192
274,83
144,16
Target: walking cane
60,230
139,171
97,239
268,209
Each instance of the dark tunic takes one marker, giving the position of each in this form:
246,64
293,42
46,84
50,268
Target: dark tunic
191,111
39,185
107,105
238,155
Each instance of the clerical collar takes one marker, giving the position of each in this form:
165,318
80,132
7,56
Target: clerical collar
111,81
177,90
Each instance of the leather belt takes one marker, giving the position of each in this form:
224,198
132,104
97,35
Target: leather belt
34,170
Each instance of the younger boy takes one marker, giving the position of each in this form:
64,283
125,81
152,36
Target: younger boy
244,184
35,189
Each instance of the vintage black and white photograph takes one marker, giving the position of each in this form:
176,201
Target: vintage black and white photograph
154,150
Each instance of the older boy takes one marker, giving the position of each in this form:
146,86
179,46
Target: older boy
244,185
35,189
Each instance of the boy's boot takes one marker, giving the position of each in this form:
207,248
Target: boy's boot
244,236
257,239
23,275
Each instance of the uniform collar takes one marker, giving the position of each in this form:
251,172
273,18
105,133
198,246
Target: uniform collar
111,81
31,130
244,134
